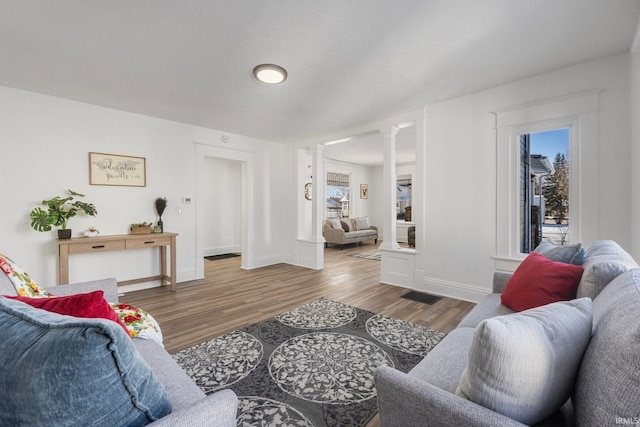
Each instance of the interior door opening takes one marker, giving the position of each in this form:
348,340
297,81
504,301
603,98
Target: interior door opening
222,199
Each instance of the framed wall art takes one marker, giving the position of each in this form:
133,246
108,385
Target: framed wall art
364,191
114,169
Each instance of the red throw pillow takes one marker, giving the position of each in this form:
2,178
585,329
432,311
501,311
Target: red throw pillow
90,305
539,281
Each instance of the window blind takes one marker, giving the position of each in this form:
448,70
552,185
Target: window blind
337,179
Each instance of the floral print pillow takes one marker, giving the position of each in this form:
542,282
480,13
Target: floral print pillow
25,286
139,323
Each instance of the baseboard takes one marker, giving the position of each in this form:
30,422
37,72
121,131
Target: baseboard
264,262
454,290
219,250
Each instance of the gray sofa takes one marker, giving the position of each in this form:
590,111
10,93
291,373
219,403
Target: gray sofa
342,231
190,406
606,389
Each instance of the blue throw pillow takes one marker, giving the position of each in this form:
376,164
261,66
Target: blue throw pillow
65,371
569,254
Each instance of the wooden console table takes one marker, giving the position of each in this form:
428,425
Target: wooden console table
84,245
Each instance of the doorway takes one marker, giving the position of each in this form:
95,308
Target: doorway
222,200
243,186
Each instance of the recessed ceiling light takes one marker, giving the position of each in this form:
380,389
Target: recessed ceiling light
270,73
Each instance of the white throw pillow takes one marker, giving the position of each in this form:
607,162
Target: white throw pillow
605,261
524,365
362,223
335,223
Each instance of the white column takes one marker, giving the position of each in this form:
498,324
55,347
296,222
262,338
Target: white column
303,226
419,201
389,179
317,195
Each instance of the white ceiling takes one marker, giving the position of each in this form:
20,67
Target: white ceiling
366,149
350,63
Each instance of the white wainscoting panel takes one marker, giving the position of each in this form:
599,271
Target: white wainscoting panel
397,267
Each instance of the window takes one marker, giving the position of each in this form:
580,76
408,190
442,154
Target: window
577,115
338,193
544,188
403,198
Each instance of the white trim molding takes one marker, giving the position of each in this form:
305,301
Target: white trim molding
454,290
579,112
247,159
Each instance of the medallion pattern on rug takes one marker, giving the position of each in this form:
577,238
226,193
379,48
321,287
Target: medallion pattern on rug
222,361
327,368
310,366
318,314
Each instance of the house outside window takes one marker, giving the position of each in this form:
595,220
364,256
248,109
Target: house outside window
338,191
544,188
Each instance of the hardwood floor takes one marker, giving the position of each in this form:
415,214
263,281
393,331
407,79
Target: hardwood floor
230,298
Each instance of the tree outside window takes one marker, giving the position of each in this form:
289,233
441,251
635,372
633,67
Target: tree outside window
556,190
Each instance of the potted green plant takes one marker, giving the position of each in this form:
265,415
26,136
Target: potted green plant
58,212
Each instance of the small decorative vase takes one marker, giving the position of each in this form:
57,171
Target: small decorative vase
160,225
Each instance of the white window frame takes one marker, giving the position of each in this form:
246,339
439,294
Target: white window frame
349,187
577,112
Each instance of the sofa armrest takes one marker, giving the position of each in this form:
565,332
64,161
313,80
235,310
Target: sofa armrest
500,279
333,235
218,409
405,401
109,286
373,227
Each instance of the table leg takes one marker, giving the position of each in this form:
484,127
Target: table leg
63,264
163,265
173,264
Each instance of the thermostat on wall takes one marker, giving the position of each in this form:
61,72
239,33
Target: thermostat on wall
186,200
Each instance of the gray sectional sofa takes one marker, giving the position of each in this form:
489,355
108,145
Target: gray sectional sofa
189,405
603,387
343,231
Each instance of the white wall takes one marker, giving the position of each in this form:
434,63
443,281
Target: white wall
44,142
460,171
222,188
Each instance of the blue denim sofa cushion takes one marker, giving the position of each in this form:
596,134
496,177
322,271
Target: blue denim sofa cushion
64,371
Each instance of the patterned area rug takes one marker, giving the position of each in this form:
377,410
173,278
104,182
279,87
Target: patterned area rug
311,366
375,255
